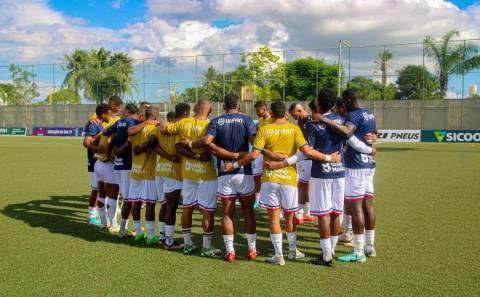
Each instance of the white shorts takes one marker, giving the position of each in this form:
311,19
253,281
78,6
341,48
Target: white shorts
135,187
105,172
233,185
326,196
258,166
359,183
304,169
166,185
274,196
201,193
123,178
93,181
149,191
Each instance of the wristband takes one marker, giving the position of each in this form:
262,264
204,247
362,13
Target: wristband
190,144
235,165
292,160
328,158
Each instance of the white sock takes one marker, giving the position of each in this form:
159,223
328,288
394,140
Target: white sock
150,229
252,241
207,240
138,227
187,236
306,208
228,240
112,211
102,216
123,225
92,212
161,230
169,232
369,237
326,249
333,242
299,213
358,242
292,241
277,243
347,224
257,197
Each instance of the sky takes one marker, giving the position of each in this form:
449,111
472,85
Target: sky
42,31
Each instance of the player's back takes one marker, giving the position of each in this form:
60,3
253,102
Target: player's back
124,161
91,129
143,165
280,138
364,122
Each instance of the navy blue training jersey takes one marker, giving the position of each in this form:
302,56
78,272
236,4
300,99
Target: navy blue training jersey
124,161
232,132
364,122
92,129
303,124
326,141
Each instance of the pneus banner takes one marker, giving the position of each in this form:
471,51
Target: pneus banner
450,135
399,135
22,131
57,131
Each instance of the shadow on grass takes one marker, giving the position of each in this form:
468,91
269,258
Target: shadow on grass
67,215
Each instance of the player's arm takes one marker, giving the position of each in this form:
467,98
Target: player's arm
186,152
110,130
360,146
342,130
134,130
199,143
225,154
124,148
273,156
255,153
89,142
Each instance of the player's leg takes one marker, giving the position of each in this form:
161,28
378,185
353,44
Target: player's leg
149,197
173,198
289,203
92,201
163,207
112,190
321,195
124,180
207,202
227,193
338,194
135,192
98,169
257,176
370,218
246,189
189,189
347,233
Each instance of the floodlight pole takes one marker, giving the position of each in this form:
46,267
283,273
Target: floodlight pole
340,61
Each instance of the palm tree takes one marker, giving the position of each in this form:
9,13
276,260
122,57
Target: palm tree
383,62
212,84
451,57
76,67
123,67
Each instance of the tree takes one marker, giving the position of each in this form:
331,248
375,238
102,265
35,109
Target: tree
76,65
416,82
213,84
24,87
383,62
372,90
451,57
7,93
63,96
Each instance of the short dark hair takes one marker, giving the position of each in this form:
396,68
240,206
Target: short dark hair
170,115
143,103
278,109
151,112
115,99
340,103
293,106
312,105
101,109
231,101
260,104
326,99
131,107
182,110
350,96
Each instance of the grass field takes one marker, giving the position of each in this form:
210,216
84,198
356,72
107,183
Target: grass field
428,198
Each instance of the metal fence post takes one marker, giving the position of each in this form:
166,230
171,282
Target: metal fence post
196,77
385,72
316,72
339,66
223,76
169,82
284,76
143,80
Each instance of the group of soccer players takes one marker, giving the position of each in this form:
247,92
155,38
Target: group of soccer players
323,167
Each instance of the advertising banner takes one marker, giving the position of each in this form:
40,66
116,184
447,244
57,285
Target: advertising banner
399,135
13,131
450,136
57,131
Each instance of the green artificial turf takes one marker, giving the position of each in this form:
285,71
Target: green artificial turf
428,198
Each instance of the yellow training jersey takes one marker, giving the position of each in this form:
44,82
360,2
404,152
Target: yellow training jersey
284,139
104,139
193,129
143,165
262,122
165,167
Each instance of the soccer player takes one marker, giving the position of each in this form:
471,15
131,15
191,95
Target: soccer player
142,187
359,176
297,111
264,118
199,178
228,136
279,187
123,160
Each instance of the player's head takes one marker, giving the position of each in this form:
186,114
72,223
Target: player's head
203,107
312,106
278,110
141,113
145,103
129,110
103,112
261,109
231,101
115,103
182,110
351,97
171,116
340,107
151,113
326,99
297,111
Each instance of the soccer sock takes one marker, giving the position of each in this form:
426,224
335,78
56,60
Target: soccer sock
228,240
187,236
277,243
112,211
92,212
369,237
207,240
333,242
299,213
169,232
123,225
292,241
102,216
150,229
358,242
326,249
252,241
138,227
347,224
257,197
161,230
306,208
